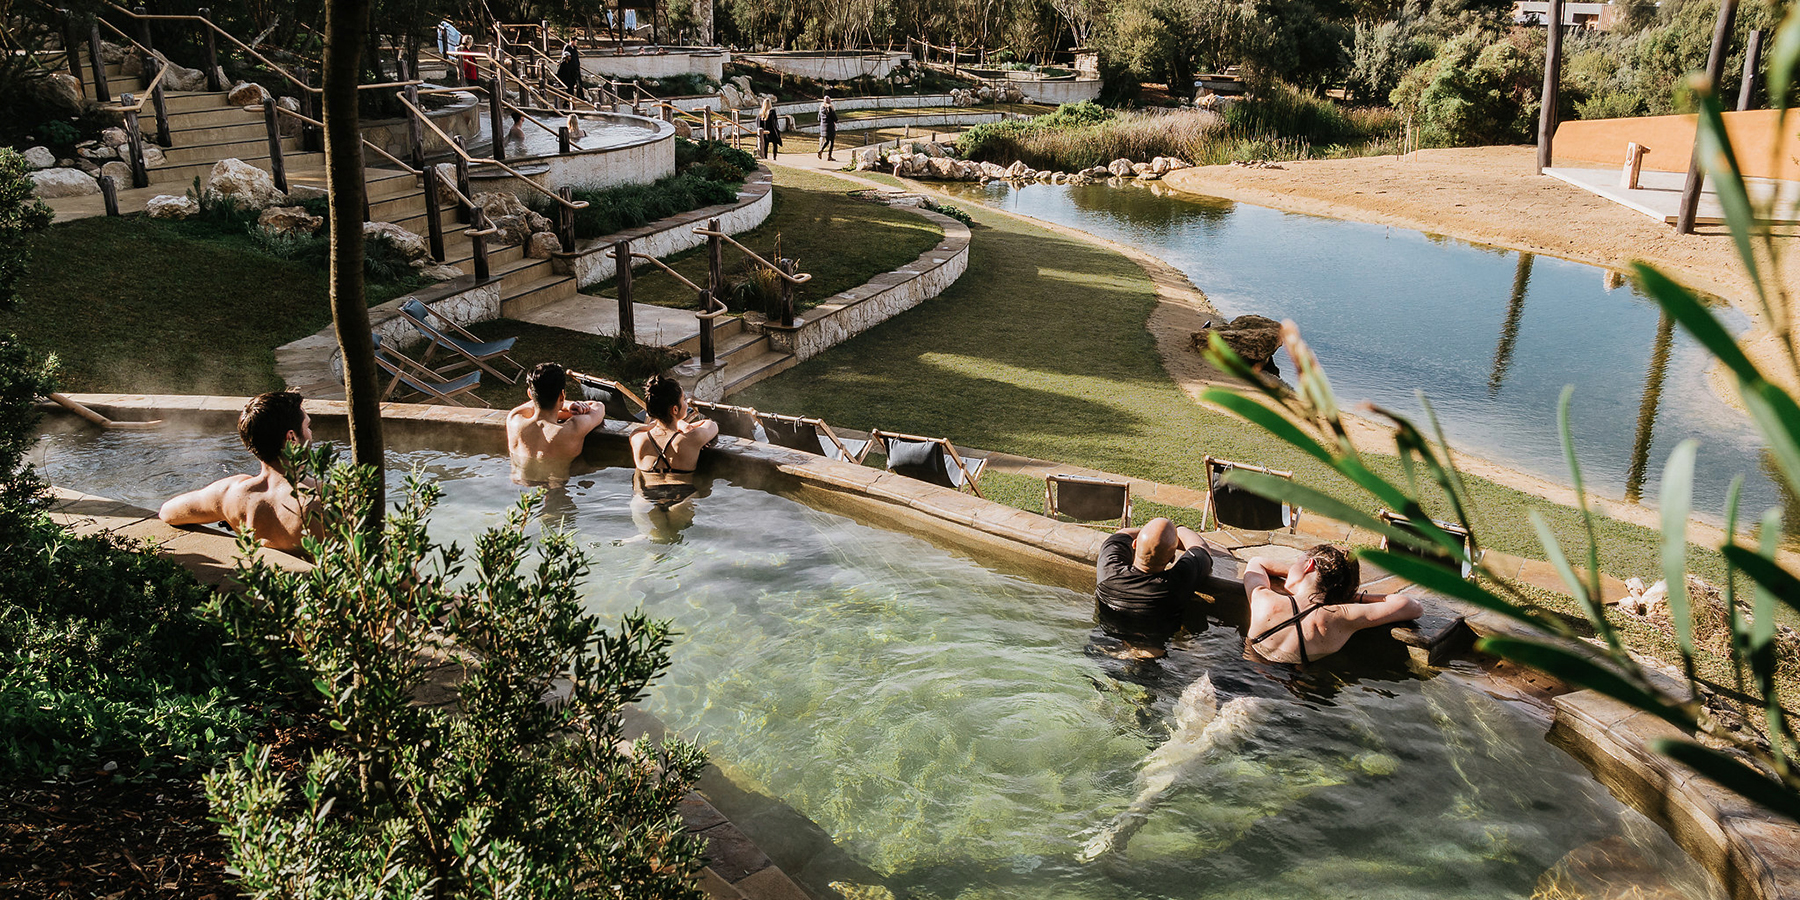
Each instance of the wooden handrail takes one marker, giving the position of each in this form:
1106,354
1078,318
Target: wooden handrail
279,69
712,314
318,124
664,266
451,143
801,278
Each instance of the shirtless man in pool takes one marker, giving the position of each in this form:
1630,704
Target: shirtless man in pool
266,502
1308,609
546,432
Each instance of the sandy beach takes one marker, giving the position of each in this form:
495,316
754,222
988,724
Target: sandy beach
1491,195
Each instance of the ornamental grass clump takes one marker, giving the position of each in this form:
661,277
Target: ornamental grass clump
479,710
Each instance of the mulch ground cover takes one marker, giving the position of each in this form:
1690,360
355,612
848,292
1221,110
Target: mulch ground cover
99,837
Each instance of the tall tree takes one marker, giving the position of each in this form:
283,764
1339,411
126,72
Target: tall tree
346,23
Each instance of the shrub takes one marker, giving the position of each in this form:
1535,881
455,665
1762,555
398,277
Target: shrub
1479,90
625,206
103,655
22,214
523,790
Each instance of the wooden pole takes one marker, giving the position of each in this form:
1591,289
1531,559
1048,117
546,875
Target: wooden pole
708,351
1552,79
478,243
415,136
162,115
277,166
100,91
565,217
1715,65
464,212
622,274
109,192
1752,52
70,45
495,128
715,258
787,267
212,53
135,146
434,226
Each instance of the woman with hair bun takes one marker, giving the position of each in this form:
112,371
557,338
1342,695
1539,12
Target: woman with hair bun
665,453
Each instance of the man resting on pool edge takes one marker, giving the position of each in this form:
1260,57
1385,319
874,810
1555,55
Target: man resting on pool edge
265,503
1143,580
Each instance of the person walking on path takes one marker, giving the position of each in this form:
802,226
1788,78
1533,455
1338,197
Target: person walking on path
828,120
769,129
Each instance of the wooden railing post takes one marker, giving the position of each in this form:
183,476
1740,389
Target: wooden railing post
311,140
162,115
109,192
622,274
100,92
715,258
135,146
787,267
434,226
478,242
708,353
277,166
495,128
464,212
70,45
565,219
562,140
144,38
212,52
415,136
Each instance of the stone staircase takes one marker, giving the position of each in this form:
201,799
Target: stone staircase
742,357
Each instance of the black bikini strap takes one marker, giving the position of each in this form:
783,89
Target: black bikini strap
1293,620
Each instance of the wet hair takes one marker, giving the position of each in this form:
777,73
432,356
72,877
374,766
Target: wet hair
266,421
1339,573
662,395
546,384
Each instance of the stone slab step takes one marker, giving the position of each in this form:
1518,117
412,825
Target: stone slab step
185,173
240,149
744,372
533,294
181,135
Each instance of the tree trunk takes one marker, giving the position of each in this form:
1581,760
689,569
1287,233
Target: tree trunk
345,34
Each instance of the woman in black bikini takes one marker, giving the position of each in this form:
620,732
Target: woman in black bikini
1308,609
666,453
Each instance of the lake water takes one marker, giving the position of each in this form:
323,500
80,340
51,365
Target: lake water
1490,335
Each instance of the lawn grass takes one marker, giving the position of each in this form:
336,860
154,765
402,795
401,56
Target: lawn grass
840,241
1041,349
136,305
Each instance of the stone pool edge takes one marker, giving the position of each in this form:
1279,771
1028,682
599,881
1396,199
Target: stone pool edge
1754,855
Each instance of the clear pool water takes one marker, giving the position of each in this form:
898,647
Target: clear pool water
1491,336
883,712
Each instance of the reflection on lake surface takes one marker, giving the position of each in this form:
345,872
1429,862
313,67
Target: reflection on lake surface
1490,335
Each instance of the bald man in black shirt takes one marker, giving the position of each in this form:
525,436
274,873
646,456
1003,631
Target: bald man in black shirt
1142,581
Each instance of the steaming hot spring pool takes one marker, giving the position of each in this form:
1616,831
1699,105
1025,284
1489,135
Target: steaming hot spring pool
884,712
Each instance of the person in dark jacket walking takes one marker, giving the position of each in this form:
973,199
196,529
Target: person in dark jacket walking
569,70
769,124
827,129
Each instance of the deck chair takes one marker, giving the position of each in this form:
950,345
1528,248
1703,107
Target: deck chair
1435,554
811,436
418,378
736,421
473,350
618,400
932,460
1093,502
1234,507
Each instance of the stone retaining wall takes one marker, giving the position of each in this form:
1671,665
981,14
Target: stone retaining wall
958,120
464,118
592,262
885,296
710,63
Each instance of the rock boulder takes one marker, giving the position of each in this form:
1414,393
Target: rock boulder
410,245
114,137
40,158
543,245
241,183
53,183
120,172
169,206
1253,337
247,93
289,220
1120,168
